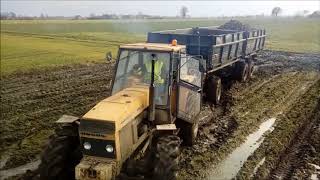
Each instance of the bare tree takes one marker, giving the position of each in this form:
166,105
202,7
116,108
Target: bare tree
183,11
42,16
315,14
276,11
305,12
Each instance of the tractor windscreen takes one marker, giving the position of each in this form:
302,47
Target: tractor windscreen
134,67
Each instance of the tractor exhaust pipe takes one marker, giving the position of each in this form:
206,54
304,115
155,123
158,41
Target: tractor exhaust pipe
151,94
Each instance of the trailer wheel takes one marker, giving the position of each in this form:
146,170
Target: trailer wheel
167,158
241,71
250,69
214,89
61,155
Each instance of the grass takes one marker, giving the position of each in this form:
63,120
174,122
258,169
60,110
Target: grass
42,43
20,52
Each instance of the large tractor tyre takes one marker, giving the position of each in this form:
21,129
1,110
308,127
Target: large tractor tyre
167,158
214,89
241,71
62,154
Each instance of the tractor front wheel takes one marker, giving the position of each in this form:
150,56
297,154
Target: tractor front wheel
167,158
61,155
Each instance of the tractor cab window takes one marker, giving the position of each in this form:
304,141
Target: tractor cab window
134,68
189,88
189,70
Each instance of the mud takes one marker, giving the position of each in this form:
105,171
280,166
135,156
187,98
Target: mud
230,166
31,102
279,80
301,159
281,148
31,166
235,25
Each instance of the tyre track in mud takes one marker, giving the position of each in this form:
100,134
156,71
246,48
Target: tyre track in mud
290,159
279,149
308,166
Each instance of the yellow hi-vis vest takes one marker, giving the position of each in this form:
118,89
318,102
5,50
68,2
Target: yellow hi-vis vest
157,71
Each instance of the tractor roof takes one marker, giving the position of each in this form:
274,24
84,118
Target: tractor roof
153,46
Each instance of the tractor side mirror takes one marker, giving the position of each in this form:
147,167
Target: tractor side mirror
109,56
202,65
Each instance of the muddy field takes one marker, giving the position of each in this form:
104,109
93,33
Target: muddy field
31,102
281,80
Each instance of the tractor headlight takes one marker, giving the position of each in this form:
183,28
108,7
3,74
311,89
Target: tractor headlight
109,148
86,146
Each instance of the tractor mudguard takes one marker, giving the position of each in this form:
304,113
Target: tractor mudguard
67,119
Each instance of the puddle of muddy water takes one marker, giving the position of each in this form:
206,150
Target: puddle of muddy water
19,170
229,167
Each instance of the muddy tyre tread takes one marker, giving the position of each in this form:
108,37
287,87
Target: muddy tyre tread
167,158
61,155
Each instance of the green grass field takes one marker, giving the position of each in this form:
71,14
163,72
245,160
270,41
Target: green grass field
20,52
40,43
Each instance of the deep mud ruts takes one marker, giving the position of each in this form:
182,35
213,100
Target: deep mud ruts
31,102
281,78
284,148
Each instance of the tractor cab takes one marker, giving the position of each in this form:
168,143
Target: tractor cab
154,104
171,68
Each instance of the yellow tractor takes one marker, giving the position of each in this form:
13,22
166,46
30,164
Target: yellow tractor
155,101
156,98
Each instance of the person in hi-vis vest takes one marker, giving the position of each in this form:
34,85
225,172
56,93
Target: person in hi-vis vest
142,74
159,79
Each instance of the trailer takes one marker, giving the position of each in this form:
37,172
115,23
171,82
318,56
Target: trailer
223,51
219,47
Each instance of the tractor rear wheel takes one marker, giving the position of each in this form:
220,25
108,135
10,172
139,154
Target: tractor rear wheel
167,158
214,89
61,155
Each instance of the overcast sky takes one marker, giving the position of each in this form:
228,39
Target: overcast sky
164,8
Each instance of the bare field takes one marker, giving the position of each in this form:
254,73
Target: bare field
36,99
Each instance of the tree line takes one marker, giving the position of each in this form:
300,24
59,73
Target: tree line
182,13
